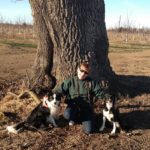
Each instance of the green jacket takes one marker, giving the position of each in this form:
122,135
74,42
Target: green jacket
79,91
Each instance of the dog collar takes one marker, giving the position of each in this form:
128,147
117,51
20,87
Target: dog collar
44,106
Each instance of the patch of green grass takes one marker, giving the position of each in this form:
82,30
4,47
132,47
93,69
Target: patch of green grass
131,47
14,44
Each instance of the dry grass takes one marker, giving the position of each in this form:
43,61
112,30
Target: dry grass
22,35
133,37
136,42
18,55
21,31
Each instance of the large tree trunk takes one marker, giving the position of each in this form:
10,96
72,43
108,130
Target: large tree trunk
69,32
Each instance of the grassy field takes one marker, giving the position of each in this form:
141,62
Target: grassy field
18,52
130,59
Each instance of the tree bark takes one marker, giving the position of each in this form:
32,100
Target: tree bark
70,32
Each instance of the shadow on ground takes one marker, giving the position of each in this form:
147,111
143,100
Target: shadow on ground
129,85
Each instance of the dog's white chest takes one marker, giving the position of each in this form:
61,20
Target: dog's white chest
108,115
54,111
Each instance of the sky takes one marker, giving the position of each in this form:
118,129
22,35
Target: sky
135,13
13,11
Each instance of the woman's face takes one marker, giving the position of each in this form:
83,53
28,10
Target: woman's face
81,73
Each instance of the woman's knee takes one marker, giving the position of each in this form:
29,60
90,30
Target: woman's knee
67,113
87,127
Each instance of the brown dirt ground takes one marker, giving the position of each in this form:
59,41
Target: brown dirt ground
135,112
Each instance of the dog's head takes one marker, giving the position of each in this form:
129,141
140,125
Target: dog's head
55,102
109,103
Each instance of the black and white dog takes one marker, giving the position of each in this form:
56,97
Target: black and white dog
41,116
112,115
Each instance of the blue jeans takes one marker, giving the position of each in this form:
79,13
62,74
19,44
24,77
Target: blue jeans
85,115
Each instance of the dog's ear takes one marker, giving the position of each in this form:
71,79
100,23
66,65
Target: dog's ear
45,101
103,103
45,98
57,97
54,96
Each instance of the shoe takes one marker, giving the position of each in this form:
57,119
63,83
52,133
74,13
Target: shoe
71,123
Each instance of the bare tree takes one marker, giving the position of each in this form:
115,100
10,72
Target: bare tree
69,32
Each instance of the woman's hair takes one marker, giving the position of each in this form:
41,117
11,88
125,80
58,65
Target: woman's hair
85,66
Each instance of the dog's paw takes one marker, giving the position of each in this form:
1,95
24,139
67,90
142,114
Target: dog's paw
11,129
112,133
55,125
101,129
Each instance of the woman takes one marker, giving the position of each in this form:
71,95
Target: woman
79,91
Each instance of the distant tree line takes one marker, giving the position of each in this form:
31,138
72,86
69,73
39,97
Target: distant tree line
25,29
131,30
